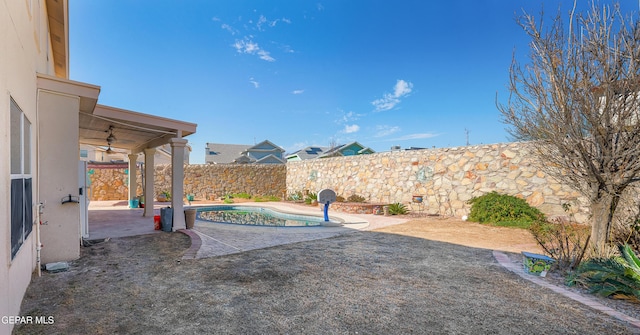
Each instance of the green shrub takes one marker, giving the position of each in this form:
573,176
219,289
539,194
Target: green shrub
266,198
242,195
311,197
502,209
397,208
296,196
616,276
356,198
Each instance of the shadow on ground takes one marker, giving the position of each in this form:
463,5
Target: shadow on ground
364,282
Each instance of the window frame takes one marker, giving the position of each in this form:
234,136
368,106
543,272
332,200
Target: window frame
21,193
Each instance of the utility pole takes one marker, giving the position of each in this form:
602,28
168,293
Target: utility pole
466,135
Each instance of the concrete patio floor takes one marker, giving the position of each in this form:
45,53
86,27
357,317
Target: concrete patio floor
111,219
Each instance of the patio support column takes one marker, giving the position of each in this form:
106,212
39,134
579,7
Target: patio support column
177,182
133,172
149,172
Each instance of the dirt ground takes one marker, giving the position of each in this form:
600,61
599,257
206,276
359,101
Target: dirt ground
426,276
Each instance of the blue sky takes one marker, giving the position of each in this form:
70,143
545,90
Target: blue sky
299,73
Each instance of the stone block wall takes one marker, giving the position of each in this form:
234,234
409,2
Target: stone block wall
212,181
446,178
110,183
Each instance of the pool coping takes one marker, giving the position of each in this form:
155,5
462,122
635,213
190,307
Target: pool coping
348,221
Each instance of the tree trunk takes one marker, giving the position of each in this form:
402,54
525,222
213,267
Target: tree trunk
602,210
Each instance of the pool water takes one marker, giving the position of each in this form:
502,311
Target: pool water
257,216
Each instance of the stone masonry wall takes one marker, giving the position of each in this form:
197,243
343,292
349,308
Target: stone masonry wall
205,182
446,178
211,181
108,184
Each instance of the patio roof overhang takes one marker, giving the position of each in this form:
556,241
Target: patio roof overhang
133,131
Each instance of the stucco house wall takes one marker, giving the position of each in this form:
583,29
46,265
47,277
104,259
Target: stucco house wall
25,51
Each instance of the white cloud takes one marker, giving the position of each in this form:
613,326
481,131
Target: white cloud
391,100
344,118
402,88
262,20
215,19
247,46
382,131
254,82
264,55
348,129
229,28
297,92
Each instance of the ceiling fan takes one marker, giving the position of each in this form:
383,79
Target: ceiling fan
110,139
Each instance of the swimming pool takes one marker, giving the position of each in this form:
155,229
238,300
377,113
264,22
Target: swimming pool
258,216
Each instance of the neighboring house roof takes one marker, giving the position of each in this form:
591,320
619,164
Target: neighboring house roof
218,153
310,152
270,159
350,149
264,152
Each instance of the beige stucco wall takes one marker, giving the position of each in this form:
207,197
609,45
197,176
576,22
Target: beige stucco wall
23,36
59,170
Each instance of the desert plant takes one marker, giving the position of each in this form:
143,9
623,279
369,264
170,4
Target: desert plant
503,210
564,241
615,276
297,196
356,198
311,197
242,195
266,198
340,198
397,208
228,199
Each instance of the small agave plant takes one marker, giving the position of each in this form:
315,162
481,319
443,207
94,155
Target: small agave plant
397,208
617,276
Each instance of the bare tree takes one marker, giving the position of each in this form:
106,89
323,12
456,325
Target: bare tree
576,99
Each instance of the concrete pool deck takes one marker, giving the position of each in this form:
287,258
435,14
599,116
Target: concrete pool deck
111,219
216,239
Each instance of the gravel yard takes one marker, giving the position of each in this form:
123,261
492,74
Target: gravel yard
392,280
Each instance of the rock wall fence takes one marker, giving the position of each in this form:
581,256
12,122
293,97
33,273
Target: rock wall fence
446,178
211,181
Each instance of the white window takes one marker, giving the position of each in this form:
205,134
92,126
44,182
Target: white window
21,181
